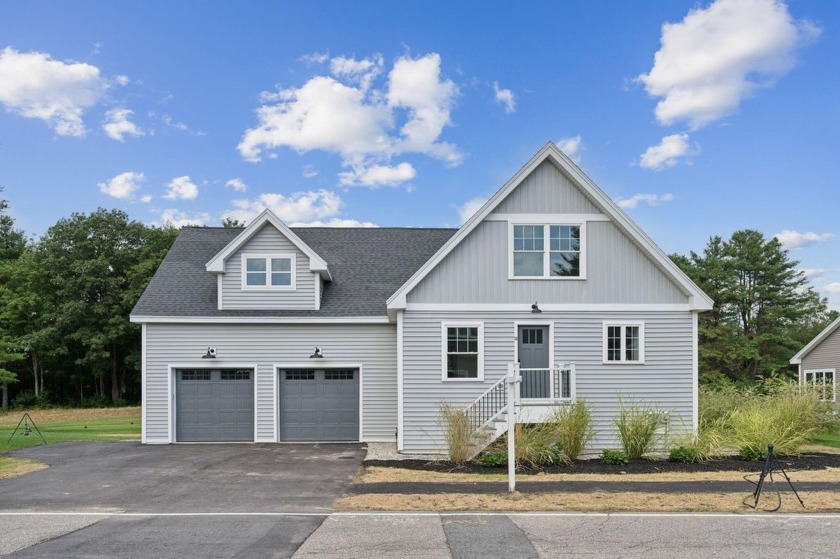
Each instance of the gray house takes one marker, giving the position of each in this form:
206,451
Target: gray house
275,334
819,360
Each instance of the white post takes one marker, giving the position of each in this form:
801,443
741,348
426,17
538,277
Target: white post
512,397
572,382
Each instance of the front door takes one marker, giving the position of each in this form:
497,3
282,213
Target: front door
533,354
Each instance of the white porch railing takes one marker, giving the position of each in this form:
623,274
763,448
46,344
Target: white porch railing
488,406
551,385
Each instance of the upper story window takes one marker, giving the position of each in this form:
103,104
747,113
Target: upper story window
547,251
274,271
624,342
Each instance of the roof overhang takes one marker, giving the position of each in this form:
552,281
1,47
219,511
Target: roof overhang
145,319
797,359
316,263
698,300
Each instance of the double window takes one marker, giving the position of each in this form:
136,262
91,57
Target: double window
463,351
275,271
624,342
823,382
547,251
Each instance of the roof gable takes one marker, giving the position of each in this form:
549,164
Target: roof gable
697,299
316,263
818,339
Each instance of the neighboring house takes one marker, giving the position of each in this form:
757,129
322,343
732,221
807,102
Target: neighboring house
819,360
549,272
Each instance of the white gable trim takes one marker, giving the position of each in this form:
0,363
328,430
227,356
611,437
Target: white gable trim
797,359
697,299
316,263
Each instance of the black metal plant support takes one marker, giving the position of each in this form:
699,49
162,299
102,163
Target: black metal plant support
26,420
771,464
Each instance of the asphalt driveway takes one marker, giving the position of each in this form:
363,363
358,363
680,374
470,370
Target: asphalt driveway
206,478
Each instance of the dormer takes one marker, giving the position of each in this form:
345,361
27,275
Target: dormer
268,267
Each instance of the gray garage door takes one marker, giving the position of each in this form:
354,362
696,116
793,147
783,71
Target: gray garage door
214,405
319,405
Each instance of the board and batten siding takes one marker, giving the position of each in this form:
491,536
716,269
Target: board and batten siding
268,240
547,190
664,380
476,271
373,346
825,355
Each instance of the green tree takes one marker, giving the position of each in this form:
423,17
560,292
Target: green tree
12,245
230,222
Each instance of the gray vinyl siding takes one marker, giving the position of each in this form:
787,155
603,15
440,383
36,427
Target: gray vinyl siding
476,271
265,345
825,355
546,190
268,240
665,379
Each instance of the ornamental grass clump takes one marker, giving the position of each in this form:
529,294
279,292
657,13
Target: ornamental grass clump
457,433
639,428
536,445
573,428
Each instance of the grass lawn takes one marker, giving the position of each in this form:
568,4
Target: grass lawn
62,425
828,439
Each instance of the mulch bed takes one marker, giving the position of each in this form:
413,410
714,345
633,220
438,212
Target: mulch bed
809,461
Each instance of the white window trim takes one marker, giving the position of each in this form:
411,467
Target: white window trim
623,360
546,253
443,346
268,257
824,370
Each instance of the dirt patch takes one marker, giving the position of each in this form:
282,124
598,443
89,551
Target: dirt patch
378,474
807,461
12,467
12,418
824,501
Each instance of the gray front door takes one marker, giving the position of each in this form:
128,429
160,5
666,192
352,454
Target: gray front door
214,405
532,344
319,405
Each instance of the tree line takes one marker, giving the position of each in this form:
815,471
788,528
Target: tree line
65,299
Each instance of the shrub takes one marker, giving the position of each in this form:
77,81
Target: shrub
614,457
457,433
96,402
683,454
25,399
573,427
637,428
494,459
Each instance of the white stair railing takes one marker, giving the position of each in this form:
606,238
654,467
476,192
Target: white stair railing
488,406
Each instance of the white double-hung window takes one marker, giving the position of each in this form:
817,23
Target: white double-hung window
624,342
463,351
274,271
547,251
823,382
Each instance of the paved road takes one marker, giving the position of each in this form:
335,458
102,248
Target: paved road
427,536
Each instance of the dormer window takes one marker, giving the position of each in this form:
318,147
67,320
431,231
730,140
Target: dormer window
547,251
268,272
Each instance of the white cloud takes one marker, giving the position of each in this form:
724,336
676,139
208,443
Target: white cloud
468,208
811,273
505,97
123,186
299,207
237,184
649,199
181,188
172,123
309,171
718,56
335,223
571,147
668,152
146,198
33,85
122,80
315,58
345,113
179,219
374,176
794,239
117,124
831,287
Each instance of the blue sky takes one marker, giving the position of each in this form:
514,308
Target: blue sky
701,118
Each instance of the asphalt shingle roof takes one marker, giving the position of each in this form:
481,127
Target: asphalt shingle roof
367,264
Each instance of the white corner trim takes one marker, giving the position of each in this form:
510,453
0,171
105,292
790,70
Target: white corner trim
699,300
797,359
695,374
143,438
623,323
219,290
268,257
400,382
259,320
443,348
316,263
